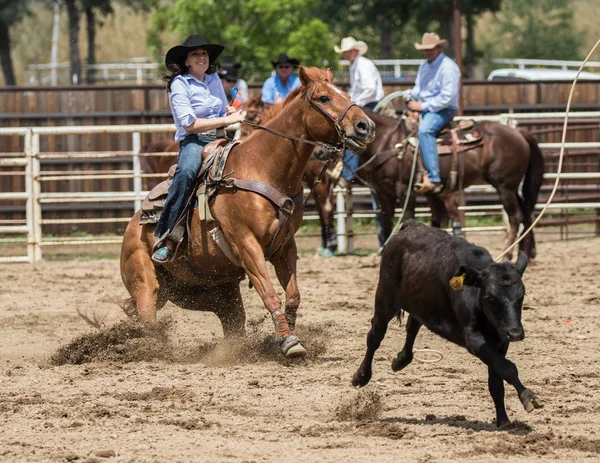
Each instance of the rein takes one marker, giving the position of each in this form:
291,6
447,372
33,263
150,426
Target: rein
337,123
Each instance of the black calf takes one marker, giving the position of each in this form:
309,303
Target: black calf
456,290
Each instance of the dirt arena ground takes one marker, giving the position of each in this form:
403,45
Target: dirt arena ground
186,395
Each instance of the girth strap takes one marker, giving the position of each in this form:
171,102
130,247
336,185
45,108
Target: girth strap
285,206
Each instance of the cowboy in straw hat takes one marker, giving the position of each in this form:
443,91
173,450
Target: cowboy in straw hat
435,95
277,87
365,90
199,107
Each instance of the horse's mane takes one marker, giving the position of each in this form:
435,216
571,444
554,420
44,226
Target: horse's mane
313,73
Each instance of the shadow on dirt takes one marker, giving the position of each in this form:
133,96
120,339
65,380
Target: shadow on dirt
460,421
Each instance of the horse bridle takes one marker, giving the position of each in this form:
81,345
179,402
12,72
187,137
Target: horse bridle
332,147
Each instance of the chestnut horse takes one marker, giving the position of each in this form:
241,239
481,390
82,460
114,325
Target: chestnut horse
202,277
322,191
507,157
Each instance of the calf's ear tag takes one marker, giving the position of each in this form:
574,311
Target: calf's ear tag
457,283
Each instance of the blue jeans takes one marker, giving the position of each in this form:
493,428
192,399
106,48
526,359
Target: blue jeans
188,166
350,165
429,128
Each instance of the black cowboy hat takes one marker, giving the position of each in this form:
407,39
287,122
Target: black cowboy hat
179,52
283,58
229,74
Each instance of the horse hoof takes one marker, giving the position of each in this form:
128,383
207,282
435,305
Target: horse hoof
291,347
324,252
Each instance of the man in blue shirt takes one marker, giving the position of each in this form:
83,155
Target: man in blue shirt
276,88
436,93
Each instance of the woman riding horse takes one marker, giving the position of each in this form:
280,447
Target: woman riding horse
199,106
258,208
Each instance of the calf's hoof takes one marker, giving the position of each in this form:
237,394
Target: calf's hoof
530,400
401,362
361,378
291,347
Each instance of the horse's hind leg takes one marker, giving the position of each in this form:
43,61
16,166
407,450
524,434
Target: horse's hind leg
405,356
229,307
527,245
142,283
509,200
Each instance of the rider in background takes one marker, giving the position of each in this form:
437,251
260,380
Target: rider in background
436,93
229,79
365,90
199,107
228,67
277,87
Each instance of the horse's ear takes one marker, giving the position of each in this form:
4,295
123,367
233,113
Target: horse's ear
329,75
304,78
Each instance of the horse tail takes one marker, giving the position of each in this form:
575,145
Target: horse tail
534,175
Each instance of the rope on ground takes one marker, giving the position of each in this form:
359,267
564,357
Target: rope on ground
432,351
560,158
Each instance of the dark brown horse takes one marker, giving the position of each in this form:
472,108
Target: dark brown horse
202,277
322,192
507,157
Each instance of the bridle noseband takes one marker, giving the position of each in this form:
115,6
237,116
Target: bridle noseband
334,147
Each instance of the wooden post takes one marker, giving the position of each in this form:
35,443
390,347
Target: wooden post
458,51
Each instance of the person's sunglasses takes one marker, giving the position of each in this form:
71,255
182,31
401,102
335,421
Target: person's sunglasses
284,66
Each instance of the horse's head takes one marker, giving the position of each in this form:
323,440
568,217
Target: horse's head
335,118
255,109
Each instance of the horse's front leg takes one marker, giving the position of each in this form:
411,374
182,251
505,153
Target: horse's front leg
253,260
284,262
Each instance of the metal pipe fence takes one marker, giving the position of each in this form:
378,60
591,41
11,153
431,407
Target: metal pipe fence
36,199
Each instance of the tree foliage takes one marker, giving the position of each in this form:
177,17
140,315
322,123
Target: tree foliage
535,29
11,12
253,31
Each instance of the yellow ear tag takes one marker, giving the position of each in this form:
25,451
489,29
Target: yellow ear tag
456,283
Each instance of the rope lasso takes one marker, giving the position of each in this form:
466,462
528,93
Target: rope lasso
560,158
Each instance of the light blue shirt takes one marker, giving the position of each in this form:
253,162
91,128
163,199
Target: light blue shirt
437,84
273,87
191,99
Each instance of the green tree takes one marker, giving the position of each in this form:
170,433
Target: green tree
366,20
254,31
11,12
536,29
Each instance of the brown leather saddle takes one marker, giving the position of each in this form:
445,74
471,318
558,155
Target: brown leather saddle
455,138
152,204
459,136
211,179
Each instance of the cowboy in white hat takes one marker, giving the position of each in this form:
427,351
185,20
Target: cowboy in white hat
435,95
365,82
365,90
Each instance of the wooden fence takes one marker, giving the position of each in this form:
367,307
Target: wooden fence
124,105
